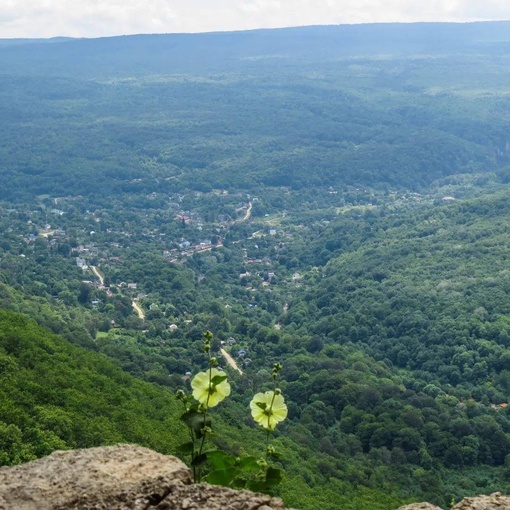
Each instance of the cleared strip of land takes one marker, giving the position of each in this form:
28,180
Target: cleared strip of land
230,360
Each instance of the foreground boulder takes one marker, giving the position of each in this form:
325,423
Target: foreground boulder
118,477
129,477
496,501
419,506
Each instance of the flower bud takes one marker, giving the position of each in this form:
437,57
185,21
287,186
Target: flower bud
180,394
277,391
262,463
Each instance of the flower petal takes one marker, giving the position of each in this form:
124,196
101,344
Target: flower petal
208,394
274,411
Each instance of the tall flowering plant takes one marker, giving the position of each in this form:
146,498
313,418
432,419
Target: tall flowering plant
268,409
210,388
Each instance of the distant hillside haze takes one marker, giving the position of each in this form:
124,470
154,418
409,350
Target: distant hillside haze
20,41
361,105
177,53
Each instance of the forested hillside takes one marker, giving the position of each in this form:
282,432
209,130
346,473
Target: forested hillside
56,396
331,198
358,112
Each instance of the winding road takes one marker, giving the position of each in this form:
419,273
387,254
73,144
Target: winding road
248,212
136,306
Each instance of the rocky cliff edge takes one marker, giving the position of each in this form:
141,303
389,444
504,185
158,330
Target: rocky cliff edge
496,501
122,477
129,477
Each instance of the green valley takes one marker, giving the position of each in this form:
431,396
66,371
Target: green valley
331,198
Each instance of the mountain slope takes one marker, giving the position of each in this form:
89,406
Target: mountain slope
57,396
299,108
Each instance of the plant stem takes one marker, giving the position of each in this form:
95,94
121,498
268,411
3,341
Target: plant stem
192,436
205,416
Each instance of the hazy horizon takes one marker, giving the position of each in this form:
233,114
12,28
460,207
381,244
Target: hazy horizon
93,18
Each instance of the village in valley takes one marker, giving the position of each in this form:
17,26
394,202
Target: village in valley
249,244
102,242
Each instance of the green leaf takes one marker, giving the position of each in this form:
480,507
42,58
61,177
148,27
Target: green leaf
222,476
185,448
217,379
195,421
199,433
219,460
239,483
257,486
191,418
199,459
273,476
248,464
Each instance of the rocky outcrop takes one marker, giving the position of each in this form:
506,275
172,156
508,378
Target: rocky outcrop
496,501
129,477
419,506
122,477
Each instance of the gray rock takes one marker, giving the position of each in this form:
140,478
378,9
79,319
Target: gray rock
122,477
496,501
419,506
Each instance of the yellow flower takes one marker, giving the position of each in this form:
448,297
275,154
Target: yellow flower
268,409
208,393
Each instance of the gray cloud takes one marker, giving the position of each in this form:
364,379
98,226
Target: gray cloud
93,18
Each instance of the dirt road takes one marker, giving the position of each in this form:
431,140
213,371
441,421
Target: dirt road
98,274
248,212
230,360
138,310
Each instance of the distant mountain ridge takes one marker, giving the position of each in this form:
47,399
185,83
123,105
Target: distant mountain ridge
364,105
162,53
20,41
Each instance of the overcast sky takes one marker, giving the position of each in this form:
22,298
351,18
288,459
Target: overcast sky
95,18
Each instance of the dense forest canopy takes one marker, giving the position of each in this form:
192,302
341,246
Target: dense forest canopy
331,198
361,105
